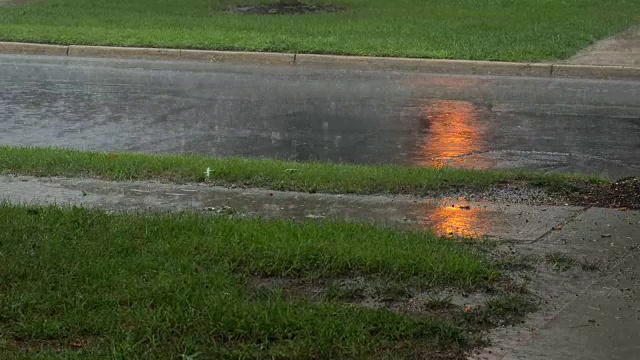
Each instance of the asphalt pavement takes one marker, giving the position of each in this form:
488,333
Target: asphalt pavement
306,113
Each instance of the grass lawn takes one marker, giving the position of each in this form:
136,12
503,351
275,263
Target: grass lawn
80,283
516,30
273,174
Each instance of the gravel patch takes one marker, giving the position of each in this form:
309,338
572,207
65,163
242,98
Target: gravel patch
508,193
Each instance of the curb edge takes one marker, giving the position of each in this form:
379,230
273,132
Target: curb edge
439,66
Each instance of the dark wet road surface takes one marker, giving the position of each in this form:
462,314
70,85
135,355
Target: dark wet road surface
317,114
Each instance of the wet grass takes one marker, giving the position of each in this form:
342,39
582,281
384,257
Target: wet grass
502,311
273,174
81,283
561,261
525,30
518,262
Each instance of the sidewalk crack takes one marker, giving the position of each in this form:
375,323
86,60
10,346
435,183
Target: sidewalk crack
566,221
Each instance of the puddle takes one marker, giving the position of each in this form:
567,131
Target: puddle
458,220
448,217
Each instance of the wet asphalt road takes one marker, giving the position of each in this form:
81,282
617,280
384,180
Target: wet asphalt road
319,114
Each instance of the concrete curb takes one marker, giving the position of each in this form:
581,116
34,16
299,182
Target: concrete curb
463,67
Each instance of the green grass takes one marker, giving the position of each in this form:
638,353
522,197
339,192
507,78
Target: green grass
503,311
80,283
561,261
271,174
516,30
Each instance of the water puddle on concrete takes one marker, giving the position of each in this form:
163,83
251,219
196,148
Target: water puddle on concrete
451,217
460,219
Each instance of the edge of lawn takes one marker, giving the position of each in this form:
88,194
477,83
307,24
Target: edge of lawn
309,177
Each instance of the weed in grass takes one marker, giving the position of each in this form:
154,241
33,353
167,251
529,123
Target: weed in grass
437,302
505,310
561,261
344,294
392,291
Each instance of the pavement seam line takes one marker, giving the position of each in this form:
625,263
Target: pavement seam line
566,221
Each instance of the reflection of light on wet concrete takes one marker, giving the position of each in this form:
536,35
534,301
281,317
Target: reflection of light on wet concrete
451,129
459,220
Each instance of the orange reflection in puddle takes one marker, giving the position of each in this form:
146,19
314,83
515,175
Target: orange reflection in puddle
451,130
458,221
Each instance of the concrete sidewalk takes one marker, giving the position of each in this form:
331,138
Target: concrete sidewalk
450,216
585,314
619,50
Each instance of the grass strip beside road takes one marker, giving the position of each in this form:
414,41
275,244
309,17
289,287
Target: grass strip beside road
523,30
80,283
272,174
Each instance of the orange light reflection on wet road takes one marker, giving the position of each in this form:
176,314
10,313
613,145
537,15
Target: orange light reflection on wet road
451,130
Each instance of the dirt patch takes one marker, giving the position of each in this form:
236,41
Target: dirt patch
624,193
283,9
478,313
371,293
446,304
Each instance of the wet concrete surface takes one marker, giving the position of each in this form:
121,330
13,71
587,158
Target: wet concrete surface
601,235
584,314
447,216
601,323
307,113
600,320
